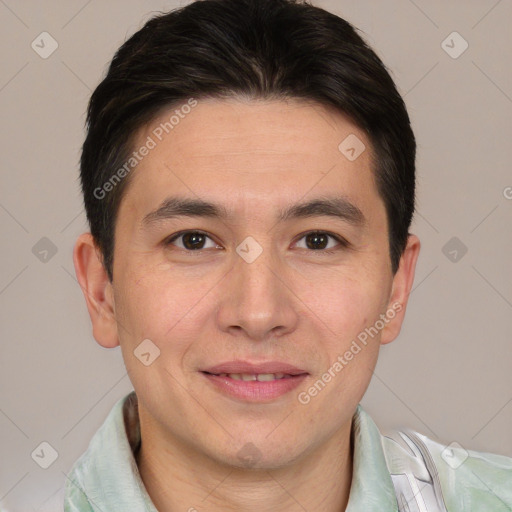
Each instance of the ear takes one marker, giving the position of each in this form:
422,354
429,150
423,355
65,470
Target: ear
401,289
97,289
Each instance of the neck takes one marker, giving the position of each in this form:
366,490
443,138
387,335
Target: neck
179,478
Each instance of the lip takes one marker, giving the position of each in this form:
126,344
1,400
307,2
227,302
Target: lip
239,366
255,391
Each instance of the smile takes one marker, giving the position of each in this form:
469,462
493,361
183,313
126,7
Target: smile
260,387
260,377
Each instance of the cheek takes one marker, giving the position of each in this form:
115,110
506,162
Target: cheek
348,305
153,306
159,311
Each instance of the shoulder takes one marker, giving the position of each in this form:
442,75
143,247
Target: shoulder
458,479
107,463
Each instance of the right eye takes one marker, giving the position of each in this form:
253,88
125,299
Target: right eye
191,240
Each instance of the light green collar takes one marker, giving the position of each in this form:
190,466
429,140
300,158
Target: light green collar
372,488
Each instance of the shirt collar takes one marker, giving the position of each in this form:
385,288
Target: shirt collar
107,476
372,488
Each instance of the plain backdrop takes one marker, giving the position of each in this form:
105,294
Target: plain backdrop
449,373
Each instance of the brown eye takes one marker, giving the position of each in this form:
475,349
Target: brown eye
320,241
191,240
317,241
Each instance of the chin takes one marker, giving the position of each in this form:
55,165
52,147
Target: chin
259,455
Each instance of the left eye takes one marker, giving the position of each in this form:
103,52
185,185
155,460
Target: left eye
314,240
319,240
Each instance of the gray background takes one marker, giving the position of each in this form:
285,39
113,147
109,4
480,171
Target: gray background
448,375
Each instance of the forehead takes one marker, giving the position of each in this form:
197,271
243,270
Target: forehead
228,127
250,152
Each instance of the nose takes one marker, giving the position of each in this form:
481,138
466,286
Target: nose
257,301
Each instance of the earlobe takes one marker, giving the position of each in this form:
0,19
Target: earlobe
97,290
401,289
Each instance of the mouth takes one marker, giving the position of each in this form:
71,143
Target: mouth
251,377
241,367
255,386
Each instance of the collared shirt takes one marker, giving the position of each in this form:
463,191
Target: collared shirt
387,473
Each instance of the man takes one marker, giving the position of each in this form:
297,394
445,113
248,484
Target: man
249,179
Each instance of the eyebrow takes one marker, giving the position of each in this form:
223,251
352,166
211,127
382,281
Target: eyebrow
338,207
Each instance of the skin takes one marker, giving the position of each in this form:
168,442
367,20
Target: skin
204,307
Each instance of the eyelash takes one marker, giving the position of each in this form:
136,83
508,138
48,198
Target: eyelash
341,241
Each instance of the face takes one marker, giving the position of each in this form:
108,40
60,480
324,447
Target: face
287,264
